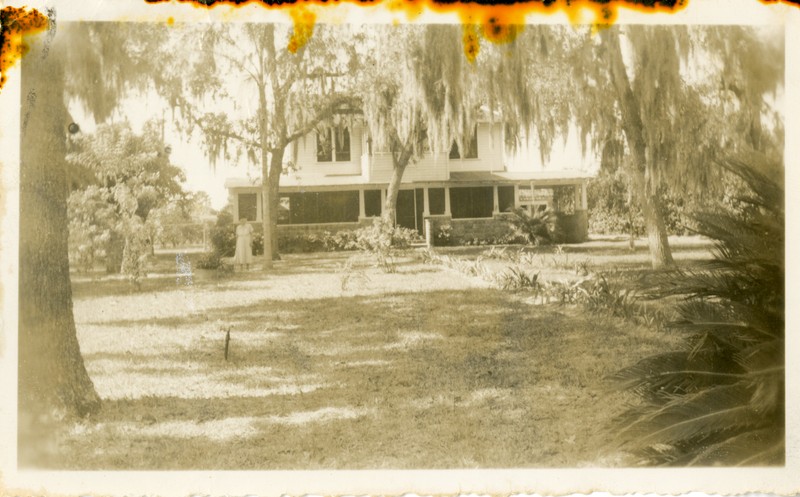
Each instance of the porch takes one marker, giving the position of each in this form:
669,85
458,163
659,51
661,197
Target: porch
473,205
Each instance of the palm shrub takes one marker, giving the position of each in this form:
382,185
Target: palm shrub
536,228
719,400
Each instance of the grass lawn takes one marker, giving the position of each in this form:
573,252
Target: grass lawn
424,368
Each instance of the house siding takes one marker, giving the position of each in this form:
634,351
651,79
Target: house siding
490,151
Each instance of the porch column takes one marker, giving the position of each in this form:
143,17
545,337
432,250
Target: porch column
578,199
362,211
584,200
495,201
235,205
447,201
259,208
516,197
426,205
383,201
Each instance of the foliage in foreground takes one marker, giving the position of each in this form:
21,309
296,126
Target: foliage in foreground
383,240
212,261
720,399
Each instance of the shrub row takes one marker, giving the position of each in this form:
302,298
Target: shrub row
597,293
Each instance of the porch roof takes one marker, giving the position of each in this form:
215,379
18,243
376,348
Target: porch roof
550,177
556,177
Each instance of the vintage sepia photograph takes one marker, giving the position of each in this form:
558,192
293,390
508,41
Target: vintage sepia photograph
344,246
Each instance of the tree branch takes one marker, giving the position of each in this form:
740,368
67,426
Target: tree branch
324,113
237,63
218,132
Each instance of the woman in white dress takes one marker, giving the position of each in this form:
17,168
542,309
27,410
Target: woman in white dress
244,240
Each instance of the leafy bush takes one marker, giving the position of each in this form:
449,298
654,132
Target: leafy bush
341,240
443,236
299,244
223,234
134,258
720,398
208,260
258,243
383,240
319,242
536,228
611,212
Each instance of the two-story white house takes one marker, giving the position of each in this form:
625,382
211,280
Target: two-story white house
338,182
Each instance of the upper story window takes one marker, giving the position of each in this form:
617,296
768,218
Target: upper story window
472,148
333,146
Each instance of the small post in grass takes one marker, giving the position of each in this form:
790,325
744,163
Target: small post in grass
227,341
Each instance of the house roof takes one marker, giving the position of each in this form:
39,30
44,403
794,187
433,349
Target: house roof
555,177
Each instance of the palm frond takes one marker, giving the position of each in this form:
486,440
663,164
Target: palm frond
739,450
690,416
719,399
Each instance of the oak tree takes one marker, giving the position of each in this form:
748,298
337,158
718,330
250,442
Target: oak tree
420,96
95,64
264,96
661,102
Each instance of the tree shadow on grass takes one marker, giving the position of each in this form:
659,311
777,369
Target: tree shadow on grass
435,379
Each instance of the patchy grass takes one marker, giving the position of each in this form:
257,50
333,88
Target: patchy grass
425,368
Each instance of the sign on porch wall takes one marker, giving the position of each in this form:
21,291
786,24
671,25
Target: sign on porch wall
527,194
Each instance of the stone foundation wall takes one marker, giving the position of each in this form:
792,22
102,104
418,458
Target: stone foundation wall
462,230
293,230
573,227
482,229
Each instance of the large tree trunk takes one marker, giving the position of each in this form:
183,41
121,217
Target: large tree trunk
266,228
400,162
265,190
53,381
275,171
390,209
660,253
